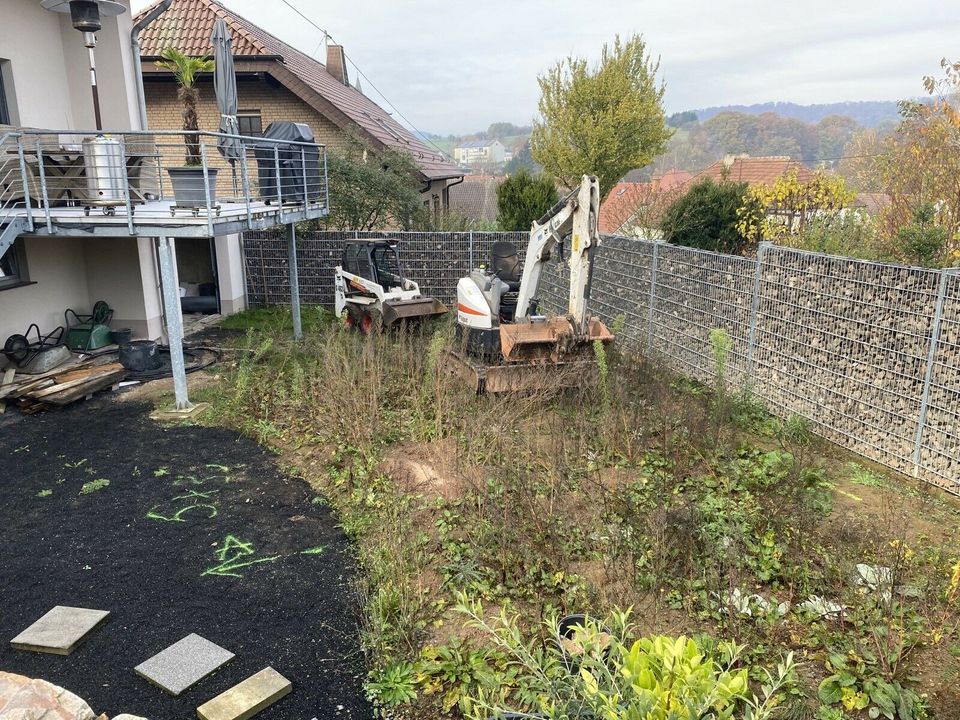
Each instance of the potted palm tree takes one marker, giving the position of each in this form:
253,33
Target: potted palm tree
188,186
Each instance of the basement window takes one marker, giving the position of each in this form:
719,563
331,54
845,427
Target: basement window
250,123
13,266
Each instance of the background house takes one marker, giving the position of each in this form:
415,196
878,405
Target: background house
480,152
278,82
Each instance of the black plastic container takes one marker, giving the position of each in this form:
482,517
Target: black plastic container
121,336
140,356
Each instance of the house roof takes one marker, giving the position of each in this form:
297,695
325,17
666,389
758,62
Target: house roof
754,170
872,203
626,198
188,24
477,143
476,197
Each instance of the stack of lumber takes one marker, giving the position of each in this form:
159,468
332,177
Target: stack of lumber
58,387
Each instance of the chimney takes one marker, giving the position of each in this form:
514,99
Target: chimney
337,63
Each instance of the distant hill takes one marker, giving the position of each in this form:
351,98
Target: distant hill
869,113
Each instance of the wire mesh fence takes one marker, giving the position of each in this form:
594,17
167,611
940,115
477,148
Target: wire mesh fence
868,352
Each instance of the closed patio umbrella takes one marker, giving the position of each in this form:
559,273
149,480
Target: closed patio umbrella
225,85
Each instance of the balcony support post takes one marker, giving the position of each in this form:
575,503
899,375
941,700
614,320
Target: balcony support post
171,305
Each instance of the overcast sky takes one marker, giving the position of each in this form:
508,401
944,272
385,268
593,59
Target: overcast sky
456,67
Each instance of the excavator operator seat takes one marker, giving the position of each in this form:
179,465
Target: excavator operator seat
505,265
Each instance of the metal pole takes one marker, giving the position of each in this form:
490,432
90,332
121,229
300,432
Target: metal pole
653,294
43,188
294,281
755,311
171,304
26,184
471,251
928,375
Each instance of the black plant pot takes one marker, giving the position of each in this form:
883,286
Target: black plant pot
566,629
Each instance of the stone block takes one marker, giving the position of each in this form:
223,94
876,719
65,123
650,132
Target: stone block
60,631
183,664
247,698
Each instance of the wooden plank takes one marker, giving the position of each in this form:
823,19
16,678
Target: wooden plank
8,376
92,376
85,389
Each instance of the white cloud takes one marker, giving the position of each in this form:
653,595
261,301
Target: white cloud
456,67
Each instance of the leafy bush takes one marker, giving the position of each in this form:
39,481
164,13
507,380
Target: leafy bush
609,676
523,198
706,217
923,242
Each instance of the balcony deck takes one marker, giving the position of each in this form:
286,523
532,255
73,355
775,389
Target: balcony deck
54,182
156,218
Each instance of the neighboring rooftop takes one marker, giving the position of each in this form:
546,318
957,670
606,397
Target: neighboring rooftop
476,197
477,143
754,170
187,26
627,198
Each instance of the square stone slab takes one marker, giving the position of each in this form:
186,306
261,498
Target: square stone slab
183,664
60,631
247,698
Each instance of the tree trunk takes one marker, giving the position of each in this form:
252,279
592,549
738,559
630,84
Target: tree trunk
189,96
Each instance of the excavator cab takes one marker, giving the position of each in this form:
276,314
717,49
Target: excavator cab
505,265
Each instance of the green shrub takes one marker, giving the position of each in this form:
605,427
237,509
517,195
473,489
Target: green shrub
705,217
523,198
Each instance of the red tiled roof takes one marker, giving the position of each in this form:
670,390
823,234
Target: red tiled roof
188,24
755,170
626,198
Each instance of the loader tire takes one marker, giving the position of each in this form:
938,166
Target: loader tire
371,323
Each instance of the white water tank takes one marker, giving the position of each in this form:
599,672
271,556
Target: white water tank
106,170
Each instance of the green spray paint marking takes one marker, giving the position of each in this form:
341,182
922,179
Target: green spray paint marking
313,551
93,486
179,514
191,495
231,556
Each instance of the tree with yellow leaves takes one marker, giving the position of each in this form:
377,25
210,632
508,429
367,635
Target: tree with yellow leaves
790,205
601,121
918,166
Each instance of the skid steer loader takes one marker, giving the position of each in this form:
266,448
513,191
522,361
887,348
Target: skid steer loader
371,292
504,344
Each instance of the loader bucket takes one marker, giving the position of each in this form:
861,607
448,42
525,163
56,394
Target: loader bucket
394,311
549,341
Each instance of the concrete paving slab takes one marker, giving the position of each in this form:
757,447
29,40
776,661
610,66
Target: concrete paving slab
60,631
183,664
247,698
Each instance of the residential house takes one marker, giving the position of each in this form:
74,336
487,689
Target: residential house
480,152
278,82
632,207
77,226
760,170
476,198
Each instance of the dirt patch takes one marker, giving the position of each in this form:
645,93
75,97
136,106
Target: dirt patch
196,531
430,469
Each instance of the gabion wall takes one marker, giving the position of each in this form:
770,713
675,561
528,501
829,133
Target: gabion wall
436,261
869,353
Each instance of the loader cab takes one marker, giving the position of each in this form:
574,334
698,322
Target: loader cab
375,260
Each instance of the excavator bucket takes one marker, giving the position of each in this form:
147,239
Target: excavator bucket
550,341
395,311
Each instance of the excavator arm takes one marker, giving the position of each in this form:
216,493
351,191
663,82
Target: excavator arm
577,215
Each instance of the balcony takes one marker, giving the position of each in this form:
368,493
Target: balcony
77,183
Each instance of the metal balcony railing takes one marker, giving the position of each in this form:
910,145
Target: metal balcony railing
132,183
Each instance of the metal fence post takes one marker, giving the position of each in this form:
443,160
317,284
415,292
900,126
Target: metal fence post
754,312
653,293
471,250
928,375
